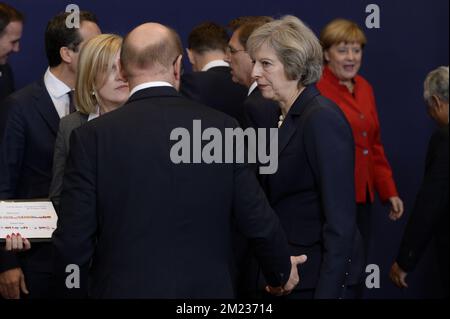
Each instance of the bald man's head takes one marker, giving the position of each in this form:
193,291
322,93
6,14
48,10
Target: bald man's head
150,48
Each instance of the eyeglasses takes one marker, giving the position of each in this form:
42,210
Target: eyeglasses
233,50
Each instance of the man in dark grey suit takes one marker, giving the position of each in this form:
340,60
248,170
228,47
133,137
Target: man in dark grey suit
26,147
11,25
210,83
430,218
138,224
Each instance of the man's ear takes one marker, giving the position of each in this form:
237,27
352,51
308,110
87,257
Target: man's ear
436,102
326,56
191,56
178,67
66,55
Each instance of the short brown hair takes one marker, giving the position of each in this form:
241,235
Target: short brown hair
341,30
162,53
58,35
8,14
236,23
208,36
96,59
246,30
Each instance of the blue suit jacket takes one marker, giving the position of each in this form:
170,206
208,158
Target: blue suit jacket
216,89
26,156
260,112
313,194
6,81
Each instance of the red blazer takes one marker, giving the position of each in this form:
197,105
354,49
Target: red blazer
372,170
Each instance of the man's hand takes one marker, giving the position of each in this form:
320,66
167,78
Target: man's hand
398,276
16,243
293,278
11,282
397,208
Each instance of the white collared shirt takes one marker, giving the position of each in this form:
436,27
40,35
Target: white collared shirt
147,85
215,63
95,114
252,88
58,91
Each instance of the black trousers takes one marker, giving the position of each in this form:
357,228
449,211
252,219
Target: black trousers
363,220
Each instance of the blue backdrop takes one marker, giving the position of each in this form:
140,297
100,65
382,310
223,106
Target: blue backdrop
412,40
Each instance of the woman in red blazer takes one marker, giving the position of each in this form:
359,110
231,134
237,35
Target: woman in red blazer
343,42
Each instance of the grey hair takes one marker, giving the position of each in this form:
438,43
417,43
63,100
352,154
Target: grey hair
436,84
295,45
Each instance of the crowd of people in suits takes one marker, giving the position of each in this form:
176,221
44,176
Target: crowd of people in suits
93,136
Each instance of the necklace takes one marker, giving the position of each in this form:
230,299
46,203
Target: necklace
280,120
283,117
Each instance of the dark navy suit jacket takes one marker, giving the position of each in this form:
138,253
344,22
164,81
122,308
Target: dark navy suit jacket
152,228
216,89
26,155
260,112
430,218
313,194
6,81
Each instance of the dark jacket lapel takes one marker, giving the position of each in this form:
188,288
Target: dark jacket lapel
289,126
45,106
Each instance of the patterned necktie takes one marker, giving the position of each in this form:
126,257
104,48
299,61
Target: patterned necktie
72,107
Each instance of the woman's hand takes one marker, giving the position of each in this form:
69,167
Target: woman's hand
16,243
397,208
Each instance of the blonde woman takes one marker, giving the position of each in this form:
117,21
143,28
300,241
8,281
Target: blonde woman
99,89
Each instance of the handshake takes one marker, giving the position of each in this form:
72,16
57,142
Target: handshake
16,243
293,278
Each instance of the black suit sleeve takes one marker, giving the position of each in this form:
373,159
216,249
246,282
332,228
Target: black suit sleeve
11,156
431,203
189,88
259,223
12,149
75,236
329,144
59,163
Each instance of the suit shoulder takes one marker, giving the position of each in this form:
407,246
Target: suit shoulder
325,105
72,120
440,137
23,96
322,110
204,111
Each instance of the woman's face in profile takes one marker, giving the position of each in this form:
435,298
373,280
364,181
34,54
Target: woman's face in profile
115,90
344,60
269,73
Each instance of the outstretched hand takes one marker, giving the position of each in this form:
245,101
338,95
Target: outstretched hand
397,208
293,278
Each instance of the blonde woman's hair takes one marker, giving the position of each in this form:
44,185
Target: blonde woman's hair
341,30
96,59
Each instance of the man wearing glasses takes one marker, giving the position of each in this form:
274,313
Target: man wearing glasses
258,111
